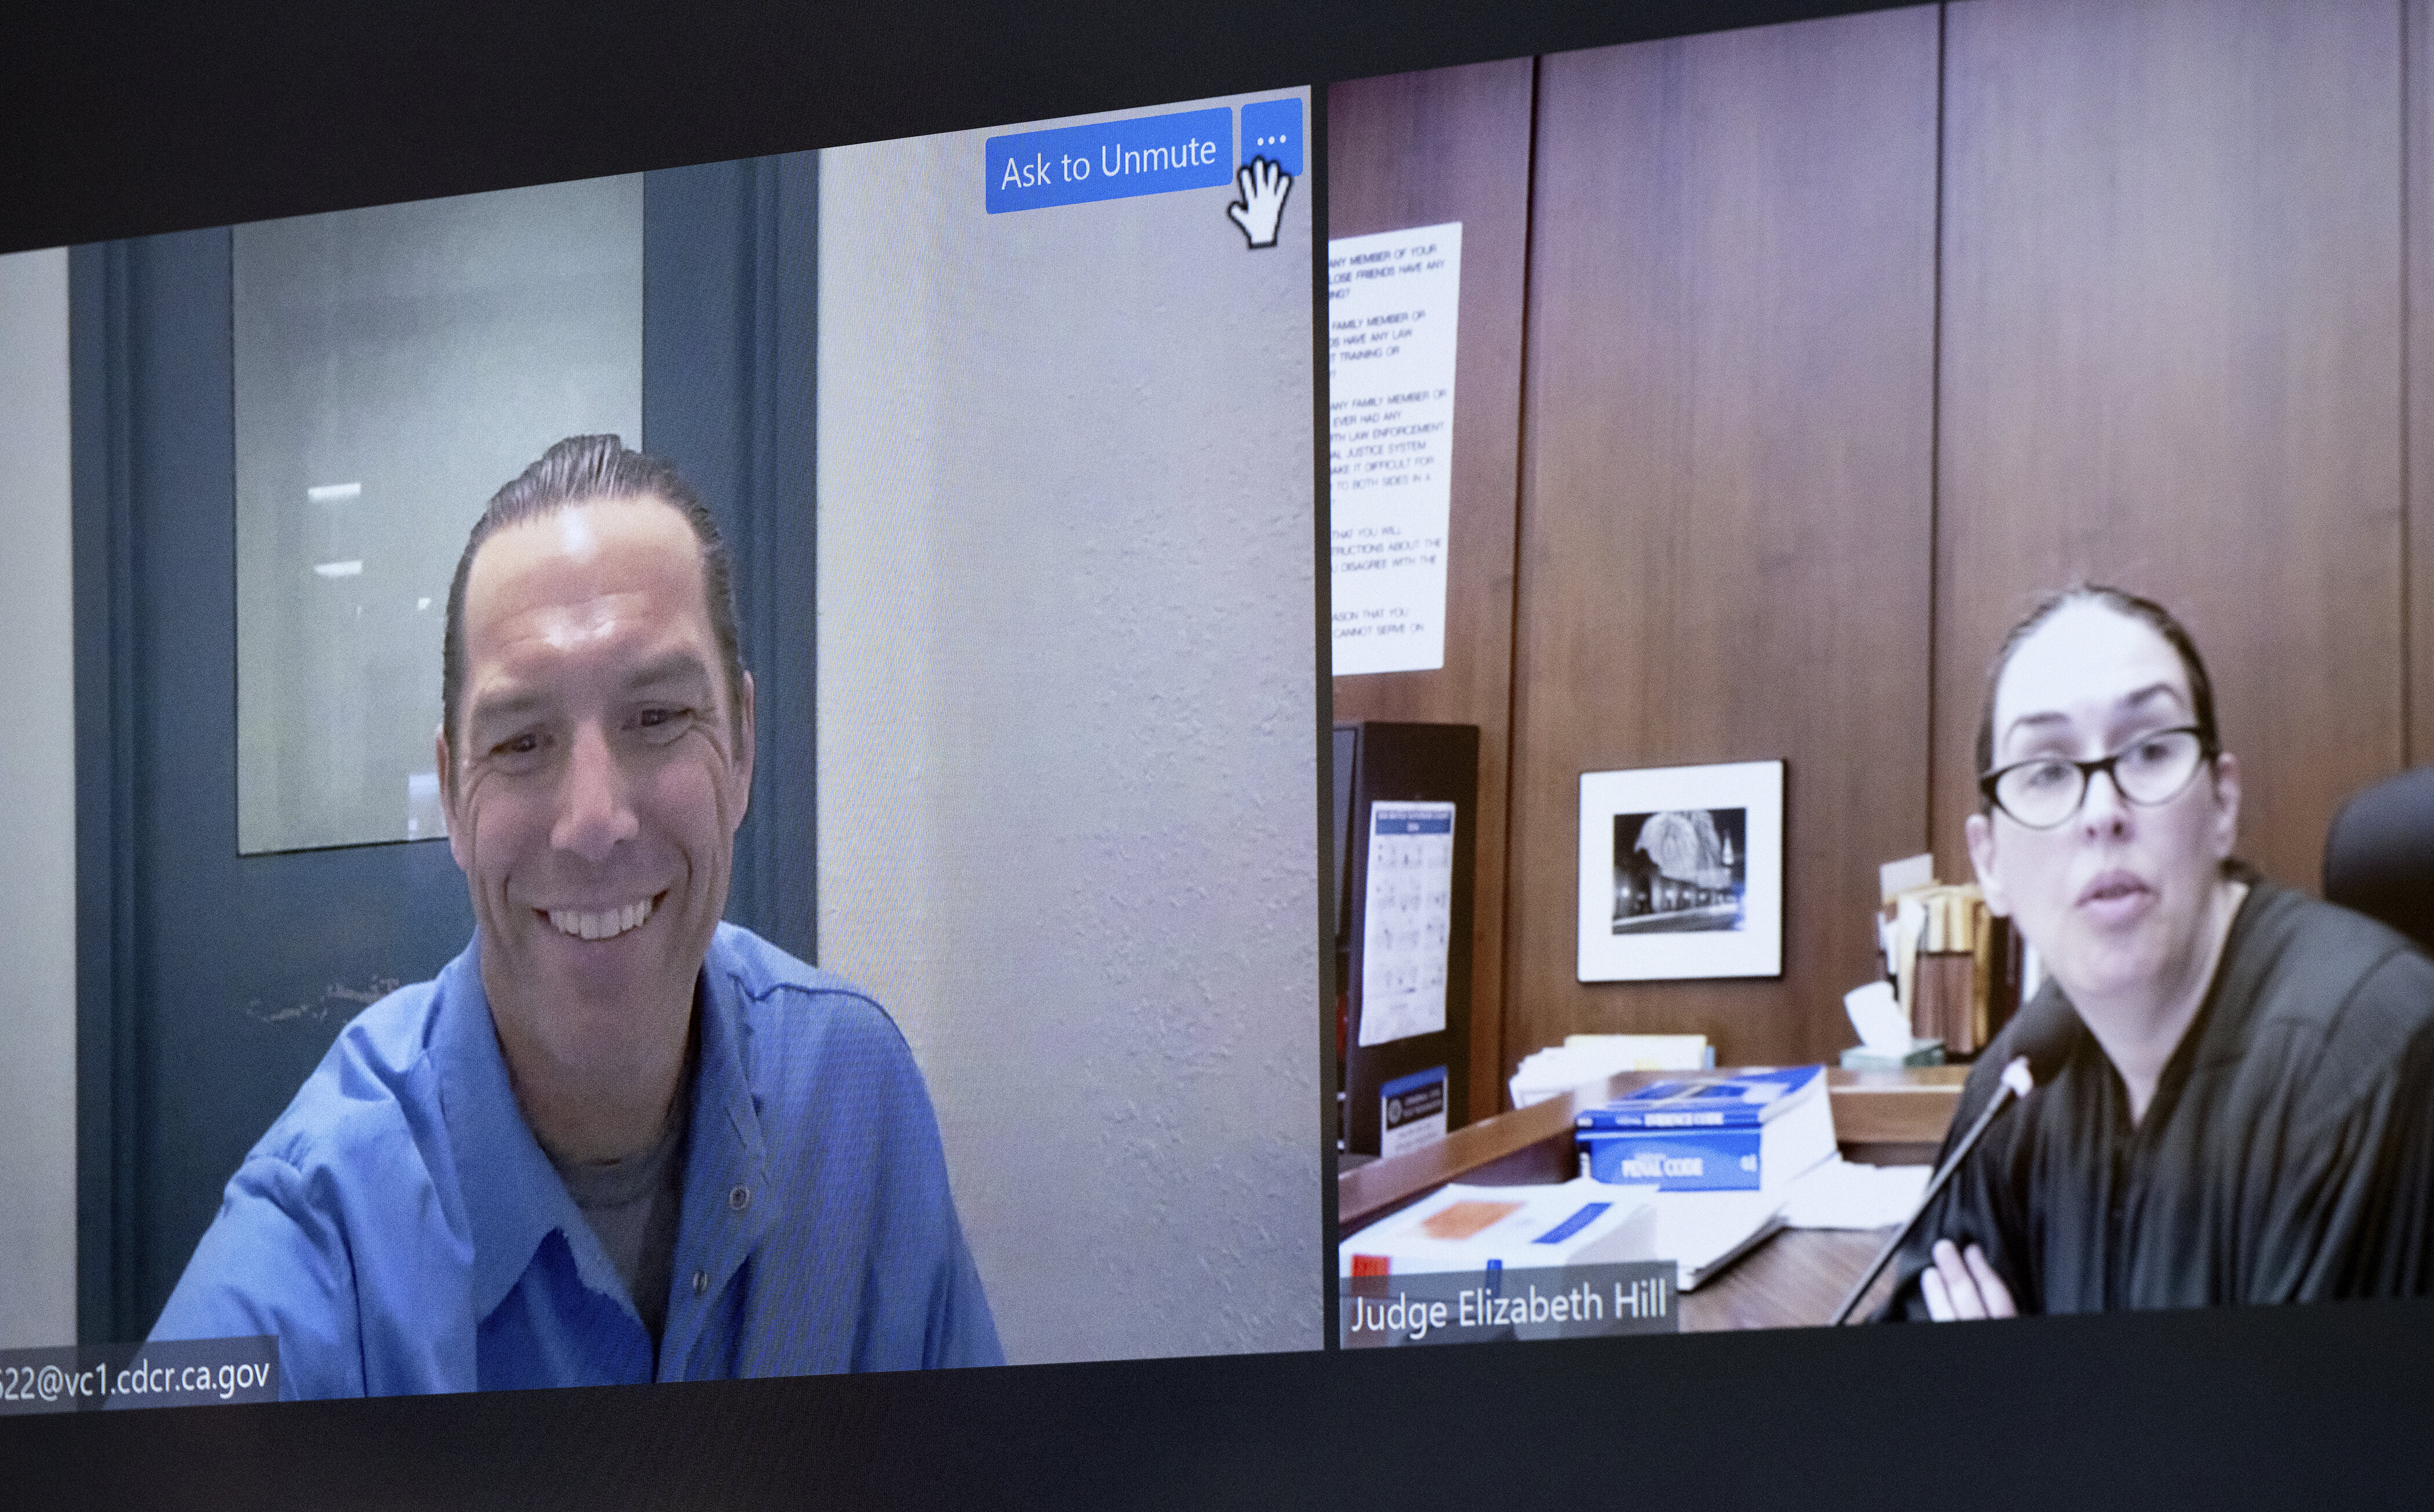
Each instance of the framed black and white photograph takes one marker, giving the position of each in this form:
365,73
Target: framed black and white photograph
1682,873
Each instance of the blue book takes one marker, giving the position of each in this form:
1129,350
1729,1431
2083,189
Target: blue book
1755,1131
1745,1100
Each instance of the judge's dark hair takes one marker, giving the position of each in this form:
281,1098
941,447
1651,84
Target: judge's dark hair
2131,606
581,470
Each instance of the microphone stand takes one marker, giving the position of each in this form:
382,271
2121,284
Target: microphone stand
2018,1083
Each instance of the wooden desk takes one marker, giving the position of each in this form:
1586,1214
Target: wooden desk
1798,1277
1794,1279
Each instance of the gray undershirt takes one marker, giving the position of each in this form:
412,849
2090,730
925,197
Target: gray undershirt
633,1205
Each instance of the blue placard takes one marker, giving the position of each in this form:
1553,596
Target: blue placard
1272,130
1109,160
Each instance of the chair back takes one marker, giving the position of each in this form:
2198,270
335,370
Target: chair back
2379,854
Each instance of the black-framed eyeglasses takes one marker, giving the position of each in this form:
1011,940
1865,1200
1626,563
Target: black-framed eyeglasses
2044,792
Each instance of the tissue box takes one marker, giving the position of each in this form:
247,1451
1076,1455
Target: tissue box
1871,1058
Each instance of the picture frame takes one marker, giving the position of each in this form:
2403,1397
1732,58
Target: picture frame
1682,873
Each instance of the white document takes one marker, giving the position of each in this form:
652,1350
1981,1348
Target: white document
1586,1060
1391,306
1704,1232
1897,877
1407,921
1878,1017
1839,1195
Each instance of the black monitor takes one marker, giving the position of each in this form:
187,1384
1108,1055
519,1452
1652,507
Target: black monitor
689,806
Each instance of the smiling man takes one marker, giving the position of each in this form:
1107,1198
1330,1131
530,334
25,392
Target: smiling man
616,1139
2246,1109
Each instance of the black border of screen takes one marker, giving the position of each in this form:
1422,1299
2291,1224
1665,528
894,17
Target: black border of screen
120,120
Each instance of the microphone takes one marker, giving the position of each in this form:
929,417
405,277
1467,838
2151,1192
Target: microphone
2043,1042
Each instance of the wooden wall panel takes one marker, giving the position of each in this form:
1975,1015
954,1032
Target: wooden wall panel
1726,487
1421,149
2171,348
2418,192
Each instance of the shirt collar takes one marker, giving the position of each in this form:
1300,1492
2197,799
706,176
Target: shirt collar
513,1196
724,1092
727,1206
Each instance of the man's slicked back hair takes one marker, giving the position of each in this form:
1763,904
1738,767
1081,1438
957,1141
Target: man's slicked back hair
2129,605
586,469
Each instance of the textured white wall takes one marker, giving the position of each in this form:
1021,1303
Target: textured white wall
37,814
1067,764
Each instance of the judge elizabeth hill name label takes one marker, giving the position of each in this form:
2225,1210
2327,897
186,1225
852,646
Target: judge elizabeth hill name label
1488,1306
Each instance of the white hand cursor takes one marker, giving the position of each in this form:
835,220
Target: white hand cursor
1263,186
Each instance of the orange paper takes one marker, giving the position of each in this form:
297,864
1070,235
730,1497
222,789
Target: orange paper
1463,1219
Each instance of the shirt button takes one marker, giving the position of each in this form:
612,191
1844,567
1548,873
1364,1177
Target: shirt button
701,1283
740,1199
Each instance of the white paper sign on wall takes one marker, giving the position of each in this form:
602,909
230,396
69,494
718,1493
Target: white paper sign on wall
1391,302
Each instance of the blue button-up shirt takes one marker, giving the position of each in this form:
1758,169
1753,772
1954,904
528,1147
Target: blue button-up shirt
400,1229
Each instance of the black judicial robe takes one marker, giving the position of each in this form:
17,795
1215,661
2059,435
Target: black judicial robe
2287,1155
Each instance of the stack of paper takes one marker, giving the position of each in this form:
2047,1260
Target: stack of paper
1839,1195
1476,1228
1702,1232
1587,1222
1588,1059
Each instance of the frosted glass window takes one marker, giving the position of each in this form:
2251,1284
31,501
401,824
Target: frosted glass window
394,367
